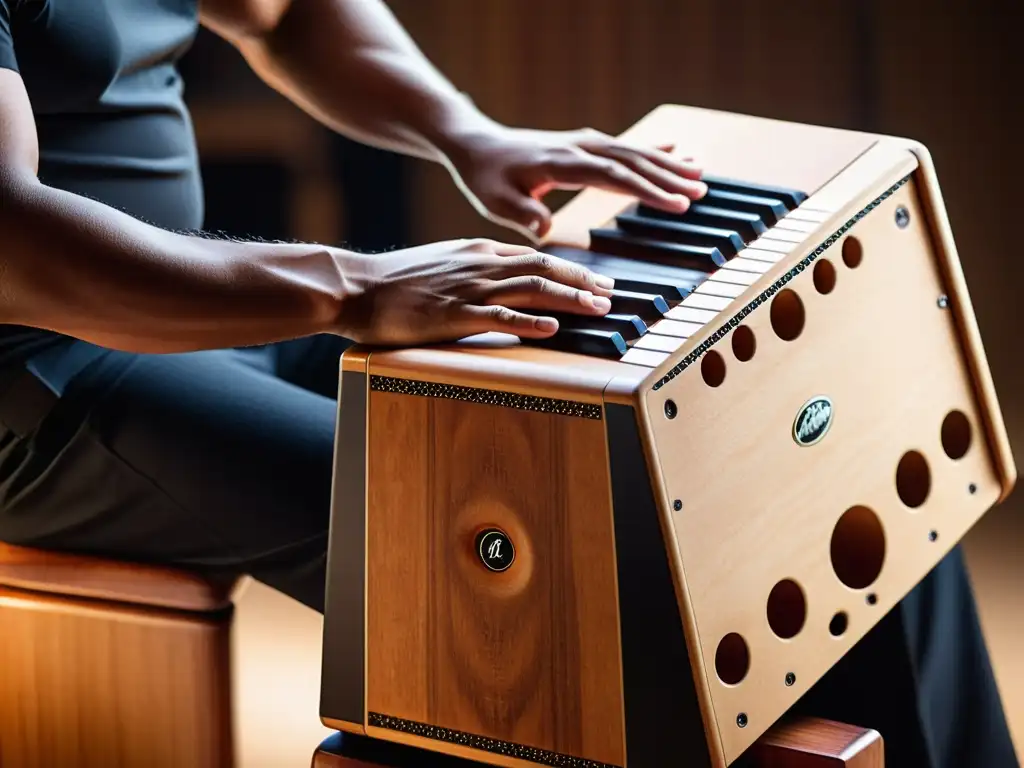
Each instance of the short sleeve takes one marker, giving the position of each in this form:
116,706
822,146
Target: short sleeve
7,58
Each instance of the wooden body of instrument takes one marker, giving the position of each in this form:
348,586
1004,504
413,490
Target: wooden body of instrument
702,522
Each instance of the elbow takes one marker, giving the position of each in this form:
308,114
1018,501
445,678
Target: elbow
16,181
17,186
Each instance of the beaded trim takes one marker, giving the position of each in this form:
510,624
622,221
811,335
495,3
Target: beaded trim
486,397
507,748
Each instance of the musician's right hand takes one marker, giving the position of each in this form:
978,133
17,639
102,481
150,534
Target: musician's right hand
450,290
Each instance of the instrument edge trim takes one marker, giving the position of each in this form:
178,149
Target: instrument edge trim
483,743
550,405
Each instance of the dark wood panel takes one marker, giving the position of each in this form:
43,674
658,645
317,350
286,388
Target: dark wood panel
605,63
528,656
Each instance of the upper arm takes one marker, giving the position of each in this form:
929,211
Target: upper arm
19,147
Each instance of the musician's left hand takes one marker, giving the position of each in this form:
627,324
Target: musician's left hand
506,172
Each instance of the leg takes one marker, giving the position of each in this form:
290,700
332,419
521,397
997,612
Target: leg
923,679
206,460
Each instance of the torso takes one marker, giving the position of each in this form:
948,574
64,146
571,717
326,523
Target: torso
101,76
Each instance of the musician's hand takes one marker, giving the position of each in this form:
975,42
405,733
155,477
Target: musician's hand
506,171
450,290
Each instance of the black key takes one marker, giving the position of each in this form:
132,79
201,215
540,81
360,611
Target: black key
584,341
748,225
617,243
650,307
672,293
672,283
768,209
630,327
790,197
728,242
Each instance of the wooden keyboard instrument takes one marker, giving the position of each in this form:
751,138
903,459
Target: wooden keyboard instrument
640,543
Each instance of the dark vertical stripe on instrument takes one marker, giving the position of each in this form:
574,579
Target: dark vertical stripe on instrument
342,680
663,716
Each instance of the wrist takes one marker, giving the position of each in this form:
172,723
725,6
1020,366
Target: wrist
458,127
353,306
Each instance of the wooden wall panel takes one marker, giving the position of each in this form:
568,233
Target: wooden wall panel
605,63
956,89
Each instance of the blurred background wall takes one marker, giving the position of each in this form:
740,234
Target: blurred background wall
946,73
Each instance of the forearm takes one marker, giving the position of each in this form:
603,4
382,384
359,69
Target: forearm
81,268
351,65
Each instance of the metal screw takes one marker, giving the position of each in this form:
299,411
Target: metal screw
972,488
677,505
943,302
741,719
670,409
902,217
790,678
872,598
933,535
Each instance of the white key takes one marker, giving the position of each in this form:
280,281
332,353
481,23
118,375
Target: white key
716,288
691,315
644,357
737,277
657,343
703,301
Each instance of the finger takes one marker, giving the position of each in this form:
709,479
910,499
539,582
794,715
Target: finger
499,319
557,270
665,179
611,175
534,292
521,212
683,168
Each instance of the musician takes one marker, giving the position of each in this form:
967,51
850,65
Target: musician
169,397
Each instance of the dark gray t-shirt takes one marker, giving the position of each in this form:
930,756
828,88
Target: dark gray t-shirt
107,97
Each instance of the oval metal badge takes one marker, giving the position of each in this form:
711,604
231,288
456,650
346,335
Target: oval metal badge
495,549
812,421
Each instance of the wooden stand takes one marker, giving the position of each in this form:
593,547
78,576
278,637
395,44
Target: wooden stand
801,743
112,665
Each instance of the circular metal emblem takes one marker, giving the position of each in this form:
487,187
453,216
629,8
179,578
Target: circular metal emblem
813,421
495,549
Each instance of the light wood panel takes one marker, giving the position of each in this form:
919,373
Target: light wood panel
879,346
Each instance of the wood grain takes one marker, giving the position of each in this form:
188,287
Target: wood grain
565,64
531,655
91,685
892,382
90,577
817,743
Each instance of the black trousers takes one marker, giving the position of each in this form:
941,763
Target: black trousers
221,461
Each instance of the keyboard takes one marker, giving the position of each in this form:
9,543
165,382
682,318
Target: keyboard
675,272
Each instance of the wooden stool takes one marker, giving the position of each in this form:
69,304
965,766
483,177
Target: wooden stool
801,743
112,665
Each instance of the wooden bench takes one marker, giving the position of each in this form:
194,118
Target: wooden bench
112,665
801,743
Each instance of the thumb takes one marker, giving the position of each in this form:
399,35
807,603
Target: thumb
523,213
